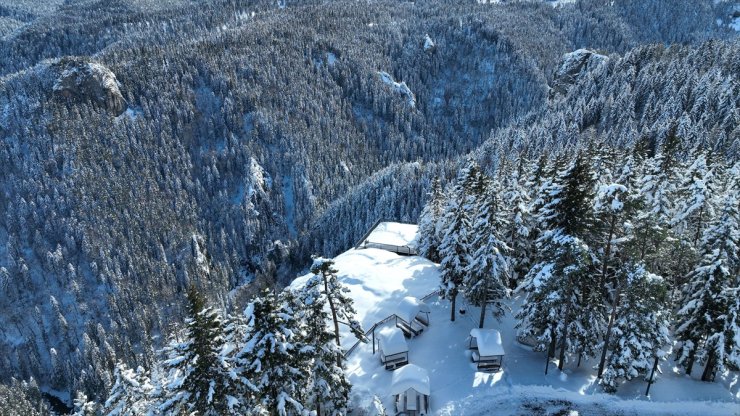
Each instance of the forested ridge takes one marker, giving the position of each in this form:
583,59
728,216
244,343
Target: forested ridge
256,134
626,256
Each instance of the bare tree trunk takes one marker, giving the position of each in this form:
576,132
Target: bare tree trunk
482,314
333,310
690,364
709,369
550,350
452,309
563,342
607,252
608,335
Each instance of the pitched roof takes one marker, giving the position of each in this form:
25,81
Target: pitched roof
392,341
489,341
410,376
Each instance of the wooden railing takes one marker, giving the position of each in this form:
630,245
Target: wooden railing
361,242
368,332
390,247
369,231
430,294
381,322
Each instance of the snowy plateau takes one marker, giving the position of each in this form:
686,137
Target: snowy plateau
378,281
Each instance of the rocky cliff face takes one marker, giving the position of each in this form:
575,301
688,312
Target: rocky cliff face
574,65
91,81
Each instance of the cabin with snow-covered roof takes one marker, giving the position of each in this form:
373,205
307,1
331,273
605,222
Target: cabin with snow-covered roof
412,316
392,348
488,349
410,390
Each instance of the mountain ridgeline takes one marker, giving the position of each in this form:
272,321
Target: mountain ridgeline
149,146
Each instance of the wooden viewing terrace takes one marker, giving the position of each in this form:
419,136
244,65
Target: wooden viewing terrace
365,243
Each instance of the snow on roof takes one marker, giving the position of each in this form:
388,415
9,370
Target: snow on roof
410,376
410,307
489,341
394,233
392,341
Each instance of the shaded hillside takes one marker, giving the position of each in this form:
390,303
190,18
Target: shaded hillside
243,123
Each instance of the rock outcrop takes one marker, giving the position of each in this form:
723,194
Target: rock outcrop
90,81
574,65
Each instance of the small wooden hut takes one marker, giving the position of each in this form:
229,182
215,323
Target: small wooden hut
412,316
488,350
410,390
392,348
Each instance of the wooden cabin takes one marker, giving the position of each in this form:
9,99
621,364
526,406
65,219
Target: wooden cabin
412,316
392,348
410,390
487,349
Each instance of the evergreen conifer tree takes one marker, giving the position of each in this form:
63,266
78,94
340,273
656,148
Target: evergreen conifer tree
272,368
640,328
340,304
517,233
429,222
562,304
199,378
327,390
485,283
455,252
129,395
702,320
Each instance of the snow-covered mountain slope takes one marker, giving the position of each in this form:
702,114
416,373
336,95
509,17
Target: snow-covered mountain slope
378,280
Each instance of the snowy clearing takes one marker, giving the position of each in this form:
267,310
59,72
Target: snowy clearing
378,280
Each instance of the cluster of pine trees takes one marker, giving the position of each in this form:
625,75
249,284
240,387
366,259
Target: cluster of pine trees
277,358
617,253
250,124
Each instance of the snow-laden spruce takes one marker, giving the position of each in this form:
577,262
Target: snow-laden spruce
429,238
271,361
486,282
199,378
705,330
327,389
130,393
640,328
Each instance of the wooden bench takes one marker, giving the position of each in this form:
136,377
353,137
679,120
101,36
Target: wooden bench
393,364
485,365
412,330
422,320
394,361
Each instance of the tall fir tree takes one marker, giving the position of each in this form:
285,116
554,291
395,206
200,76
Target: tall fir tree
327,390
641,327
562,303
199,378
485,283
429,223
612,208
455,251
517,234
272,368
340,304
702,320
655,207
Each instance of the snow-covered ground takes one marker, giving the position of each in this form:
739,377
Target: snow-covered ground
378,280
394,233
